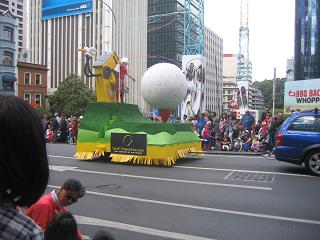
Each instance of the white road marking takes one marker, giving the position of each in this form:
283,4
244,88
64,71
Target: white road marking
173,180
232,155
249,214
137,229
218,169
61,157
61,168
242,170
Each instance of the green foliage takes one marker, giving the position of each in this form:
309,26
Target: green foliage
266,89
278,110
42,110
71,97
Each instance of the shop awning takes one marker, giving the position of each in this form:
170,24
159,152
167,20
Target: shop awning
9,78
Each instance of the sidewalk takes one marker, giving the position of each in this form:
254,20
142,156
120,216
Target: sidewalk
232,153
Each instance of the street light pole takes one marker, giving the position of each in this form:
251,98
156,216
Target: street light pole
274,90
114,17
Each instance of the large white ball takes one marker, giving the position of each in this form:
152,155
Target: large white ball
163,86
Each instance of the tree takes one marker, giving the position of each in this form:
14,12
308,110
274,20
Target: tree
266,89
71,97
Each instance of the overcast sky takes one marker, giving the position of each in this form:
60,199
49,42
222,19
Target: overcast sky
271,29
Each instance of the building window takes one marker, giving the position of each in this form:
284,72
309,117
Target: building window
27,98
38,79
38,98
27,78
7,85
7,58
8,33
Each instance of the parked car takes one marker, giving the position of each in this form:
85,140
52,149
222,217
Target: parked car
298,140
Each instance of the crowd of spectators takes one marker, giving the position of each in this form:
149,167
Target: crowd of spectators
226,133
60,129
230,134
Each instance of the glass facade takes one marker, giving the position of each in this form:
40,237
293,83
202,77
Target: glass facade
307,40
166,31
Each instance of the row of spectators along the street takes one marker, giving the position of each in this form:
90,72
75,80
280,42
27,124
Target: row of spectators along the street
224,134
230,134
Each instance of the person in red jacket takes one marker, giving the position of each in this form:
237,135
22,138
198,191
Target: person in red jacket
47,207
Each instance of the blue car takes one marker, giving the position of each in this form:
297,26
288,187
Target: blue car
298,140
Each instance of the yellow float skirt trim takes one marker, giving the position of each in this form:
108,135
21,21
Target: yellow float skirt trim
156,155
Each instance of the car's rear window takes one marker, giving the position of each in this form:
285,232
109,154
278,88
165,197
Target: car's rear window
303,123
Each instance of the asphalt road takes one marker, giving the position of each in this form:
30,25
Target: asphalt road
213,197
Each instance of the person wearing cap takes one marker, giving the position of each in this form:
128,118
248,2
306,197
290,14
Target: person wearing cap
246,140
171,119
49,205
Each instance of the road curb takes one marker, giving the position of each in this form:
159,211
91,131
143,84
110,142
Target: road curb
213,152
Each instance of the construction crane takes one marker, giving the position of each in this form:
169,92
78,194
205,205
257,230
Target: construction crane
193,27
244,67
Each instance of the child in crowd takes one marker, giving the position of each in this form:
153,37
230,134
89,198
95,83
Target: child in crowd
238,145
226,142
49,134
255,146
206,137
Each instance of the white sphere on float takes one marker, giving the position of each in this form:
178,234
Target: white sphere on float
163,86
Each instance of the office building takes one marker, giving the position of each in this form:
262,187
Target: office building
165,32
56,33
290,70
307,40
18,8
32,83
229,84
213,80
166,43
257,99
230,64
228,90
8,43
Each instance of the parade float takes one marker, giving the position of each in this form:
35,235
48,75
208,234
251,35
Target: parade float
120,131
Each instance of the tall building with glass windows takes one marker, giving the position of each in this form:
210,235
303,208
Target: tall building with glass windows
214,71
56,33
165,31
307,40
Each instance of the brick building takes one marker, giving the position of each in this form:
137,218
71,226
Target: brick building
32,83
